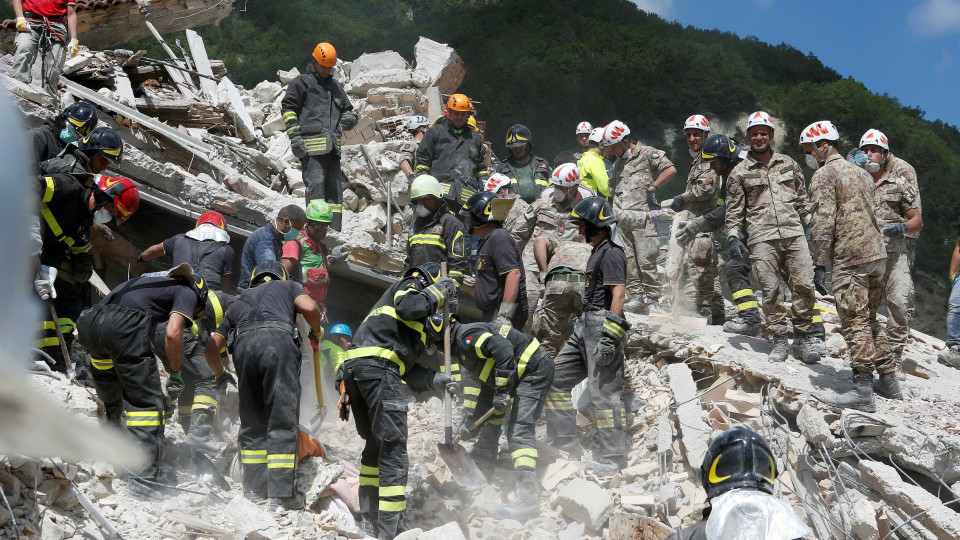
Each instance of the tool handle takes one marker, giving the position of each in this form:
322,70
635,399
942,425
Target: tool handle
447,398
486,416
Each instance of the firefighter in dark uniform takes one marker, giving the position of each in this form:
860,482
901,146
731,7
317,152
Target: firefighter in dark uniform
595,350
260,327
385,348
69,206
117,333
314,108
437,235
508,364
92,154
72,124
206,248
529,174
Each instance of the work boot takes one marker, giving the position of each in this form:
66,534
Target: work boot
636,305
780,346
201,432
804,349
950,357
706,313
293,502
898,359
571,446
368,525
747,323
888,386
525,504
609,466
861,397
254,497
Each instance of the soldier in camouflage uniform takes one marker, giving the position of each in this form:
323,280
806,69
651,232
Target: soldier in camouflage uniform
416,127
767,207
637,175
700,198
847,234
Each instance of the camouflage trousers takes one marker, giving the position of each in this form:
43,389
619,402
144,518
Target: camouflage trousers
911,256
643,281
562,300
793,257
858,290
897,291
702,279
532,273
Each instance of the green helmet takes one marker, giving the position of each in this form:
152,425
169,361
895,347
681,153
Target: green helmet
425,186
319,210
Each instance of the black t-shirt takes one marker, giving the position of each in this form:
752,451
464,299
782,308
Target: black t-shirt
275,300
607,267
209,259
498,255
158,296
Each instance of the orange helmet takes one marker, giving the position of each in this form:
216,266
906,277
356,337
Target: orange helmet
325,55
214,218
124,194
459,102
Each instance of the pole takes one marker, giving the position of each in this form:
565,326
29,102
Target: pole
447,399
388,191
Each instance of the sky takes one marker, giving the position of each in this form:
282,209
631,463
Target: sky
909,49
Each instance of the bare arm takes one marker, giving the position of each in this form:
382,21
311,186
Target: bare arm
665,176
212,353
152,252
308,307
540,245
405,167
174,340
18,8
511,288
72,21
914,221
619,295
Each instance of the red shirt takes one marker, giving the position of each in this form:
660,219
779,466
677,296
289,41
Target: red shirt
48,8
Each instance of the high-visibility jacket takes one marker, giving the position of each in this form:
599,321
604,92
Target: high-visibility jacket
453,155
541,175
438,238
498,355
65,217
312,108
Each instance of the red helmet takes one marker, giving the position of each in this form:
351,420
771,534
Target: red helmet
123,192
213,218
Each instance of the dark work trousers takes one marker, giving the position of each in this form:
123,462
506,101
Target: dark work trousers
575,362
199,385
379,407
69,304
125,372
738,279
322,176
268,369
528,400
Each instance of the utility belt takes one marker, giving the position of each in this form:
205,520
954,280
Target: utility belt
595,308
570,277
237,332
31,16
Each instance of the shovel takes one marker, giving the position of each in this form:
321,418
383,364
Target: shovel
462,468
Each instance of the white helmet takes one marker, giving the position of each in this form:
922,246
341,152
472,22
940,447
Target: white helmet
759,118
615,132
496,182
818,131
596,135
417,122
874,136
697,121
566,175
584,127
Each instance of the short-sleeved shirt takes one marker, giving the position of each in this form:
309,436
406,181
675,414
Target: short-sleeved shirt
210,259
275,300
607,267
497,256
48,8
158,296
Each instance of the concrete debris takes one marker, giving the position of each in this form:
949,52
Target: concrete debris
812,425
936,517
694,431
587,503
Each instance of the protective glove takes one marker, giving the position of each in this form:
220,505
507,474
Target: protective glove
44,282
82,267
174,386
22,25
654,215
349,121
225,378
652,201
611,334
819,274
74,47
445,288
687,231
446,382
678,203
338,254
738,251
894,230
501,402
298,147
411,176
605,351
464,431
317,334
505,313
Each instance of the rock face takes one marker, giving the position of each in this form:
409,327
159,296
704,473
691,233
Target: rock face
587,503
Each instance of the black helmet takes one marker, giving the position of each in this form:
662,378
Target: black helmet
738,458
595,211
720,146
478,208
103,140
266,270
82,116
185,275
427,274
434,328
519,135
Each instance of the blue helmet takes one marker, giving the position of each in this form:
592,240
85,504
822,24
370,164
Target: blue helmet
341,329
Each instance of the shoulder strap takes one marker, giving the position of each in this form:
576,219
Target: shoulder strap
255,304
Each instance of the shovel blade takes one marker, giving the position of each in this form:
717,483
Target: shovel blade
464,471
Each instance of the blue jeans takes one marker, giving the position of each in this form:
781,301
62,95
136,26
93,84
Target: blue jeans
953,316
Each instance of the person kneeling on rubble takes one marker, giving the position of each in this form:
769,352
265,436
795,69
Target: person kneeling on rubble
370,381
595,350
507,363
263,337
206,248
738,474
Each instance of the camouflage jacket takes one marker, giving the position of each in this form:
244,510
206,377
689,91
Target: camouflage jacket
408,152
899,167
766,202
703,188
894,197
845,228
631,178
544,218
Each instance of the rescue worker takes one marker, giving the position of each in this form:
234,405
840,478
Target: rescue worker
583,139
68,209
529,174
767,211
950,355
722,155
206,248
500,290
266,243
336,343
595,350
91,154
847,234
738,474
699,198
385,348
501,185
560,257
116,332
50,22
436,235
898,213
593,170
259,329
416,126
315,108
515,373
306,258
637,175
71,125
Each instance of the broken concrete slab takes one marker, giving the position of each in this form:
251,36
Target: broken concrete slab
439,65
632,527
374,70
694,430
864,520
587,503
913,500
287,76
812,425
450,531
